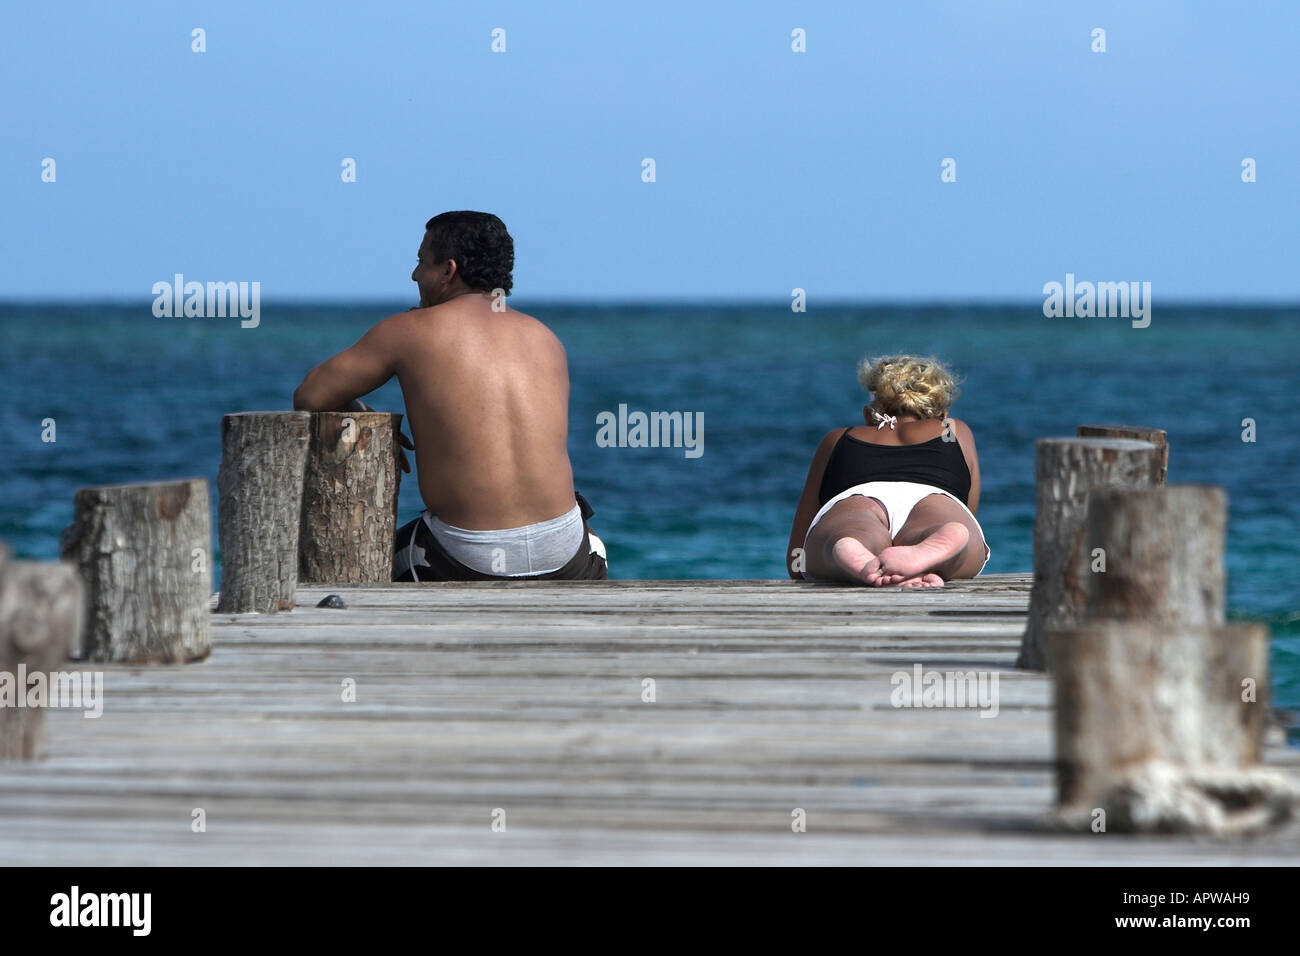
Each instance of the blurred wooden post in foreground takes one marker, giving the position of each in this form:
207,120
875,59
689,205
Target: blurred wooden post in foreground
1066,470
349,498
259,507
1156,436
41,614
1159,728
144,553
1160,707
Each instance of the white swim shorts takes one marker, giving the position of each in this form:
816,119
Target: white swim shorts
898,499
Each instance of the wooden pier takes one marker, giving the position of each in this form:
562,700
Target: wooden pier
527,705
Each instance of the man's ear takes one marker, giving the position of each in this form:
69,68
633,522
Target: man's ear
451,269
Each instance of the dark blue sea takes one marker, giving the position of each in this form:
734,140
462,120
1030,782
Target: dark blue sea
138,398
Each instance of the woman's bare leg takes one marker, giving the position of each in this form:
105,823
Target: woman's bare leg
847,540
938,538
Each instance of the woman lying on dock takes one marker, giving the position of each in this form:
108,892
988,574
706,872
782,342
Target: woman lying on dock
893,502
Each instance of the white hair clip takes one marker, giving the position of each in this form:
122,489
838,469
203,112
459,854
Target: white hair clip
884,420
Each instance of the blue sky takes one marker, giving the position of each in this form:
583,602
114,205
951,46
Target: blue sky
774,169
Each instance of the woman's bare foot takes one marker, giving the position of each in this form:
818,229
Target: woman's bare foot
852,556
923,581
897,564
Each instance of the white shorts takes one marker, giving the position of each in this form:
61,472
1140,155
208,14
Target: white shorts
898,499
533,549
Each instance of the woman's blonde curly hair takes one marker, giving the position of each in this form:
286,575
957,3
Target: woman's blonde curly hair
908,385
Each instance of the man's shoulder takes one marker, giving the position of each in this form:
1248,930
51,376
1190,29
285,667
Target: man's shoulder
397,320
401,325
533,327
452,319
523,317
457,309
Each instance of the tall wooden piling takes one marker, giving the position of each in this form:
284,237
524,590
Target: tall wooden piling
1156,436
349,498
42,609
1065,471
144,553
259,508
1152,554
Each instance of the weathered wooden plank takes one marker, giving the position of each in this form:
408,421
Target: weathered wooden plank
288,843
769,696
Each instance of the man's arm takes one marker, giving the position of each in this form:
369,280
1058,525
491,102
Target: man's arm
354,372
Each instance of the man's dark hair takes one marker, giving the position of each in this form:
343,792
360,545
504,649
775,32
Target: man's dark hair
478,241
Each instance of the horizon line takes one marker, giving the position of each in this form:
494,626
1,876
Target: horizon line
642,302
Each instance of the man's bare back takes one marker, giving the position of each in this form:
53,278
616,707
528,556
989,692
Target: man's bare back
487,396
487,399
486,392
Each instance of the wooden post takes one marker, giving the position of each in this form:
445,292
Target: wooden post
1156,436
42,608
259,507
144,553
1160,726
1153,554
1065,470
349,498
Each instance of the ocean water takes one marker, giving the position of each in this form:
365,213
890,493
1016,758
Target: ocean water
137,398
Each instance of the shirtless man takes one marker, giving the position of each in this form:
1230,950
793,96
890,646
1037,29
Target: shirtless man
487,398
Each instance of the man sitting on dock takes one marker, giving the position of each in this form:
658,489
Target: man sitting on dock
486,390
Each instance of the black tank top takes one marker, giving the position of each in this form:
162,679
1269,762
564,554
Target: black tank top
935,462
